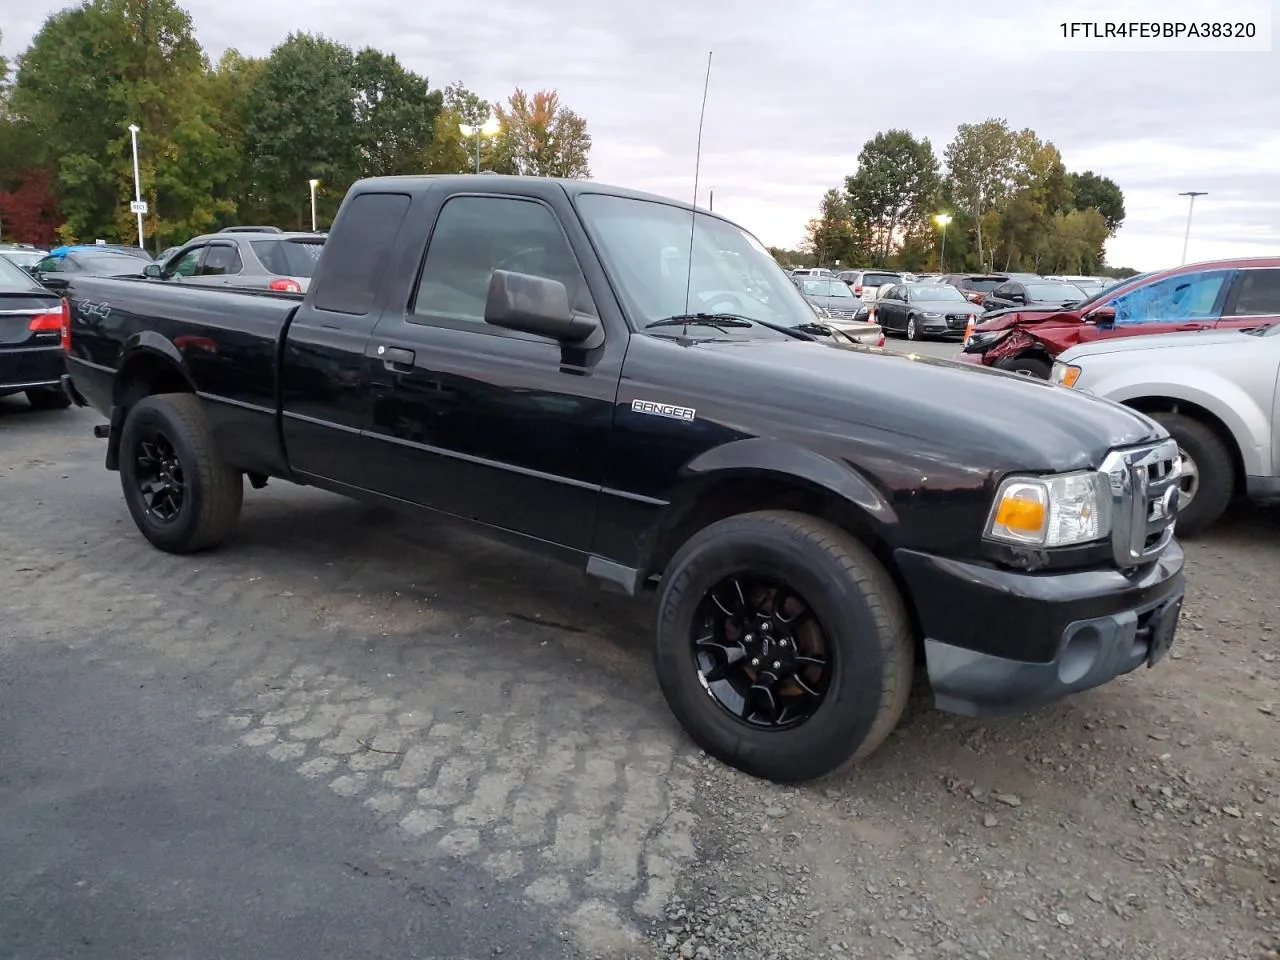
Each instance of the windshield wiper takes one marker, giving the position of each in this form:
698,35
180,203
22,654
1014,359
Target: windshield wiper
722,320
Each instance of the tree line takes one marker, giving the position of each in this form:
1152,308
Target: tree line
1012,203
236,141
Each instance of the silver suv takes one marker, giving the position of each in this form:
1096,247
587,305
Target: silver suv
265,260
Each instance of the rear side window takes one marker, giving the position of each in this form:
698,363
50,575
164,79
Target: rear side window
221,260
289,258
1259,294
362,245
13,279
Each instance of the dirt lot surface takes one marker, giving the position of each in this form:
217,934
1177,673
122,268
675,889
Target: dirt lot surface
493,712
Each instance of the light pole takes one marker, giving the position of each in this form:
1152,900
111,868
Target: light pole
1190,210
487,129
711,203
314,183
942,219
137,180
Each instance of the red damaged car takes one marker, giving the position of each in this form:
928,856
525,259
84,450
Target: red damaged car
1200,296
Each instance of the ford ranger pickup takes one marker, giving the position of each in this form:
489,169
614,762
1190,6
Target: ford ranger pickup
626,384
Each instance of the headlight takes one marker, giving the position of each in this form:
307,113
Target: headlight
932,316
1066,374
986,339
1057,511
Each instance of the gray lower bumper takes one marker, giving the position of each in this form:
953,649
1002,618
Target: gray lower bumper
1093,652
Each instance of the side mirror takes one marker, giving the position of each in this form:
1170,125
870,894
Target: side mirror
1103,316
532,304
154,271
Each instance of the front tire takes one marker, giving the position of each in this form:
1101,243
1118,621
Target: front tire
913,332
181,495
1209,473
783,646
48,398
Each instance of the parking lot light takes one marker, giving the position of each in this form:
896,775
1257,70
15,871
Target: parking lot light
942,219
314,183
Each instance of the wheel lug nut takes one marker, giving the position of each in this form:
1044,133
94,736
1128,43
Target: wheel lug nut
749,638
755,661
777,665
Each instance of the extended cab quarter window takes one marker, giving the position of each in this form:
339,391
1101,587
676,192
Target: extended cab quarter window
473,237
357,254
1259,294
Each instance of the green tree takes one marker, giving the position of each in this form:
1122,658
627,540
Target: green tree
833,234
469,107
541,137
395,113
301,125
227,90
894,187
1099,193
982,164
1075,242
449,151
90,72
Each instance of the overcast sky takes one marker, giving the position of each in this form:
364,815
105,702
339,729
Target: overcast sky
796,88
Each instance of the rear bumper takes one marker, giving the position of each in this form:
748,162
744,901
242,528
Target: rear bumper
24,368
999,642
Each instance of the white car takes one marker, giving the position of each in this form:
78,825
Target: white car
1215,392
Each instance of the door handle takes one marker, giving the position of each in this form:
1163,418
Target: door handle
395,357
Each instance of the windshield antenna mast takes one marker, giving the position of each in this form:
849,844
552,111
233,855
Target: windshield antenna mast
697,169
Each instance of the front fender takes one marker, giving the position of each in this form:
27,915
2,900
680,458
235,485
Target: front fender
761,456
1249,423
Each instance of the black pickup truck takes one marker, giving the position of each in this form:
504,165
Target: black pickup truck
626,384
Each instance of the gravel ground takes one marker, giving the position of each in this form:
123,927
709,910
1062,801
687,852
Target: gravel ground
474,697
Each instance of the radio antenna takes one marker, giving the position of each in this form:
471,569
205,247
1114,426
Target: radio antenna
697,169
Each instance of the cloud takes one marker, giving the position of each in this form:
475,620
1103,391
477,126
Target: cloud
797,88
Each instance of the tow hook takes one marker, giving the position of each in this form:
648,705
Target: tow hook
102,431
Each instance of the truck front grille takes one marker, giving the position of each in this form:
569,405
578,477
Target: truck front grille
1145,485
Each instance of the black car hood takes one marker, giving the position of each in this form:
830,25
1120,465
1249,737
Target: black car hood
981,415
1026,316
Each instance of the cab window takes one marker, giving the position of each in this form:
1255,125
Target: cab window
1186,296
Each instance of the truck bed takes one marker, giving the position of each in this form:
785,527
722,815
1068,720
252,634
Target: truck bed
225,341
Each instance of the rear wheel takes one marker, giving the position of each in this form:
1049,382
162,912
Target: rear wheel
48,398
182,497
1028,367
783,646
1208,472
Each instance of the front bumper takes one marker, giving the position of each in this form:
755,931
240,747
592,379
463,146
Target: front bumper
23,368
999,642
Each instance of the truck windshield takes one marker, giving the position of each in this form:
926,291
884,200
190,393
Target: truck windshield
646,244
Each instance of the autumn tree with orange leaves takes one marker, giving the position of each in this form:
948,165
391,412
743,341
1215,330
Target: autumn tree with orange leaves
541,137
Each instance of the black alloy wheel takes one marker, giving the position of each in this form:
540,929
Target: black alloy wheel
159,476
761,652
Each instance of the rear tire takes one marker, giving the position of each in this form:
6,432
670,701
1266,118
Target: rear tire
48,398
1214,472
1028,367
166,445
867,651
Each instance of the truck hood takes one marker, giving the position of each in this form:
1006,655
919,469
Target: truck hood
975,415
1162,342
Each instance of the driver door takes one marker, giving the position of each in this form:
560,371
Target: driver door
482,422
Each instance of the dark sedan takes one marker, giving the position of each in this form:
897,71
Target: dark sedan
1033,294
832,295
56,270
33,324
920,310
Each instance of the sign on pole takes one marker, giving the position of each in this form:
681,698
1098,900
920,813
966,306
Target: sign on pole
137,206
